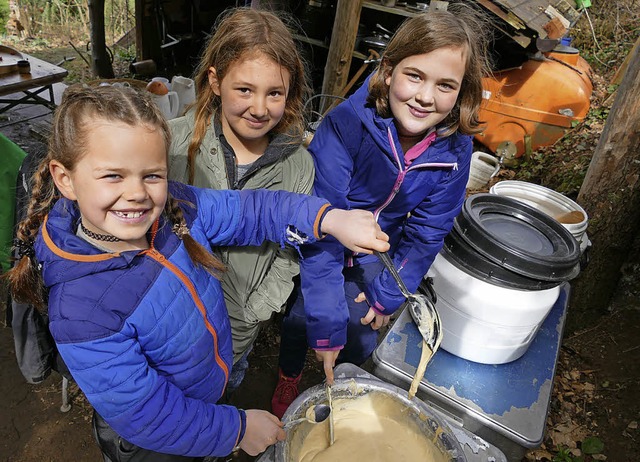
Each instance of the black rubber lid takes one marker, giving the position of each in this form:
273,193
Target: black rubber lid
518,237
460,254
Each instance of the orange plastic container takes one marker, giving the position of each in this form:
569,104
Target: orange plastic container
535,104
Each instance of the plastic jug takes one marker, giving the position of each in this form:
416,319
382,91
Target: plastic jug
168,104
186,90
483,167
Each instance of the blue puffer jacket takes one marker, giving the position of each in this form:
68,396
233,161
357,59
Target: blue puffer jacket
360,165
145,334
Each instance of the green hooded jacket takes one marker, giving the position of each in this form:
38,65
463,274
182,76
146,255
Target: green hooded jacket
12,157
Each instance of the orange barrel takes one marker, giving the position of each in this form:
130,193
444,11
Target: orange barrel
535,104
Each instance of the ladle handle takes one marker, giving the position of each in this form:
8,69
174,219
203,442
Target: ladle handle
388,263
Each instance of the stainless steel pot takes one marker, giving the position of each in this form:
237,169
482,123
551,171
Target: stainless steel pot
433,426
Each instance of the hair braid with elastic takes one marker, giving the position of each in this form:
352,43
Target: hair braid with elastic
199,255
25,280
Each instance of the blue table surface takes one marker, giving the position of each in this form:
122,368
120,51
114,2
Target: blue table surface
496,392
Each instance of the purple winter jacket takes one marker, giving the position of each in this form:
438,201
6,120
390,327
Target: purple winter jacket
146,334
360,165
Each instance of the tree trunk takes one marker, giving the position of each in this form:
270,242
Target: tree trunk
611,195
100,62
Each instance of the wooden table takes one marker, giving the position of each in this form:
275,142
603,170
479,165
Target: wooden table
41,79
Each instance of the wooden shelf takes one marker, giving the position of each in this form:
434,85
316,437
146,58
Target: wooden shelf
399,10
321,44
310,41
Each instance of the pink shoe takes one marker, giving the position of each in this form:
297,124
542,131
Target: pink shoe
286,392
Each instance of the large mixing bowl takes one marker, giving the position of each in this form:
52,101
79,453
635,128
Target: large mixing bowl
433,426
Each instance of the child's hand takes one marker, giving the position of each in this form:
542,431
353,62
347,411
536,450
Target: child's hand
328,360
263,430
375,320
357,230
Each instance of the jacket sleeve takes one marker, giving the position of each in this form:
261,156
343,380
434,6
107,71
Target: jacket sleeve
423,236
276,286
250,217
141,405
322,263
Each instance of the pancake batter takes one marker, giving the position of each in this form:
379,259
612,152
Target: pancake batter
372,427
425,357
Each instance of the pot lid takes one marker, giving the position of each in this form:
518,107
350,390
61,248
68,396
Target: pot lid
518,237
460,254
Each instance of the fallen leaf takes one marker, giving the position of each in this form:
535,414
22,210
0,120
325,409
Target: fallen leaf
538,454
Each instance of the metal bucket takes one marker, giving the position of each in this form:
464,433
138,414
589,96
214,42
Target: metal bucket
434,427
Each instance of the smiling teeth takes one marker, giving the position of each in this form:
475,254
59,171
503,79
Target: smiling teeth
129,214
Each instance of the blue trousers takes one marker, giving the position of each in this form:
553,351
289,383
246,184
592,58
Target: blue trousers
361,340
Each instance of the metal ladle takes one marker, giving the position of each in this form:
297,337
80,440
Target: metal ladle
422,310
315,414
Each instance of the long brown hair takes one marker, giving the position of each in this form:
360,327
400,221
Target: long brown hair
461,26
72,123
243,33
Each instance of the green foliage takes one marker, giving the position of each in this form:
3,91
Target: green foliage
126,54
4,15
40,42
592,445
564,455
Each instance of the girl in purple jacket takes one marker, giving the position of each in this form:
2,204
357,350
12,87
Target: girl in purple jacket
400,147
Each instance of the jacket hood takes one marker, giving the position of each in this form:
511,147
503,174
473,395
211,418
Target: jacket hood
280,146
376,125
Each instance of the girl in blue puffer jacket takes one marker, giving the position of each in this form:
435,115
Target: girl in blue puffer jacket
400,147
123,262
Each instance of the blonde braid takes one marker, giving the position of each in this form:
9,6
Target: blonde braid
198,254
25,279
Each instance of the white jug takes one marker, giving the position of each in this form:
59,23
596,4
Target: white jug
186,90
168,104
483,167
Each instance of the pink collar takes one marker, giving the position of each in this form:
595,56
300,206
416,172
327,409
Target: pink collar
419,148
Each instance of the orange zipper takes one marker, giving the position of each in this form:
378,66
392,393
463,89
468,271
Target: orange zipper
157,256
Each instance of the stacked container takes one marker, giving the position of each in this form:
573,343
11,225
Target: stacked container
551,202
498,275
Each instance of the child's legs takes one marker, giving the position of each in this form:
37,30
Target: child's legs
361,340
117,449
238,371
293,336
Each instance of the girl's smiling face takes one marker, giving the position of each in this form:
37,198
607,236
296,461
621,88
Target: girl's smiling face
423,89
253,95
119,183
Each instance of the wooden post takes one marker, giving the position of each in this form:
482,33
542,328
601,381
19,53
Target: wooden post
147,37
611,195
343,40
100,61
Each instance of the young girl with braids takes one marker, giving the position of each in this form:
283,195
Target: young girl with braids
122,258
245,132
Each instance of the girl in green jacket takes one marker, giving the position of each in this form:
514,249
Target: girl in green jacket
244,132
